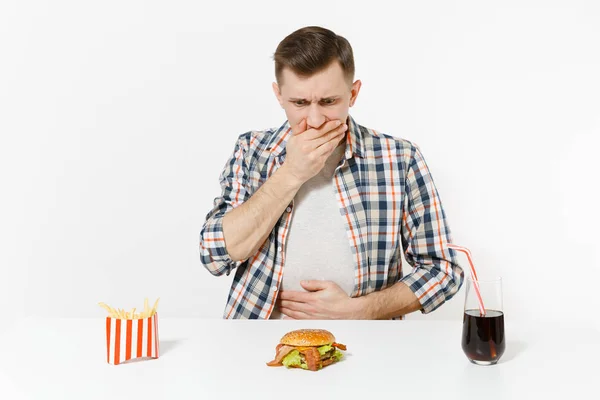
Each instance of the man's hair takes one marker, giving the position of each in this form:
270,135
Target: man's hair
310,50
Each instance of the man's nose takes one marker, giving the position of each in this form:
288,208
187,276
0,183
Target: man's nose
315,118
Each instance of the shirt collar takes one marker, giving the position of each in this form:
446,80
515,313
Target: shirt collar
354,140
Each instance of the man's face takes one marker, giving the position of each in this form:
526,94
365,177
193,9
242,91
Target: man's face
322,97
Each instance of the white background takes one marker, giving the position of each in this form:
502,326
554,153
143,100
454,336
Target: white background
116,118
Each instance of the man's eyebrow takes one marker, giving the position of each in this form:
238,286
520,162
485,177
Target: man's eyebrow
323,98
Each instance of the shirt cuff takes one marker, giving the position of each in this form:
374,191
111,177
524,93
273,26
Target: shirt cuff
427,288
217,249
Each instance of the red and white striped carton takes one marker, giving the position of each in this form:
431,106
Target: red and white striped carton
127,339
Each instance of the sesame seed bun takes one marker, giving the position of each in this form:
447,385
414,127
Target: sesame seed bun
308,337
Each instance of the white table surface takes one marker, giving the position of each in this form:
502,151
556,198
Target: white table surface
217,359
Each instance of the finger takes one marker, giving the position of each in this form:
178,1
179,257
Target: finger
295,314
286,317
297,306
301,297
313,286
332,135
300,127
326,149
324,129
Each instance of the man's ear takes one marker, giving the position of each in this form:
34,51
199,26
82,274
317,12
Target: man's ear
354,91
277,93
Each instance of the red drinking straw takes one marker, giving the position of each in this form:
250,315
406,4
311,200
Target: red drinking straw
473,275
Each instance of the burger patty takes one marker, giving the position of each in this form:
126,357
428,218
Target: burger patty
329,354
325,356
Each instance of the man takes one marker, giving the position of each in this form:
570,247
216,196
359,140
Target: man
313,215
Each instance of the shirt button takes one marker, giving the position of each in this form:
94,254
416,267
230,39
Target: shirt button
289,209
274,288
348,154
279,249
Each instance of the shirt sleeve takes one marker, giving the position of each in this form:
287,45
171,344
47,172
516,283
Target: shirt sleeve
235,191
436,276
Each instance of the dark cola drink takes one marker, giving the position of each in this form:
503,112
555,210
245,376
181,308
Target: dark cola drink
483,337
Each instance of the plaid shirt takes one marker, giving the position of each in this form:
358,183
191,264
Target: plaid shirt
386,196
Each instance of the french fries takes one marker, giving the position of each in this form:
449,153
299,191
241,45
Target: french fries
122,314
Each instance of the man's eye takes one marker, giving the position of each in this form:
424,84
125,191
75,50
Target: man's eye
326,102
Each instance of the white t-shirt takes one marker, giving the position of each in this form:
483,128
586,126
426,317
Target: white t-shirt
317,246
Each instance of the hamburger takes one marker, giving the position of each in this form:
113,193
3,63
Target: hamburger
310,349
